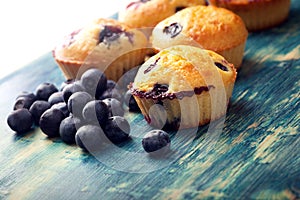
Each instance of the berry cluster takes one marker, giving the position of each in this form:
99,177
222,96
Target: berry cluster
80,112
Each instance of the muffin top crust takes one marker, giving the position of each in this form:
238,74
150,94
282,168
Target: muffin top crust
147,13
182,68
210,27
101,37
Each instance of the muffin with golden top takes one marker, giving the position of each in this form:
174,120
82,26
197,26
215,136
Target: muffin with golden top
210,27
183,86
257,14
106,44
148,13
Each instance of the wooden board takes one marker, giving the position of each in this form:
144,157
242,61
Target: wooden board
254,155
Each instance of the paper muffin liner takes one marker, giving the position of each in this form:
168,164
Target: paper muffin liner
69,68
234,55
124,63
259,15
187,112
113,70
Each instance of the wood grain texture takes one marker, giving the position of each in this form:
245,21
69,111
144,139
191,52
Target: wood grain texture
257,155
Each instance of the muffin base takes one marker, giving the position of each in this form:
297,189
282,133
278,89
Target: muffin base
258,15
187,112
234,55
113,70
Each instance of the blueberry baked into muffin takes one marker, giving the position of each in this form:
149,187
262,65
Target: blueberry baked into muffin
257,14
148,13
183,86
106,44
209,27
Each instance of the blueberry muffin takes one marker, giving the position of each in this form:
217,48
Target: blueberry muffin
106,44
147,13
257,14
209,27
183,86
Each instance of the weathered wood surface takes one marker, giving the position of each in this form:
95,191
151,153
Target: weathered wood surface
256,156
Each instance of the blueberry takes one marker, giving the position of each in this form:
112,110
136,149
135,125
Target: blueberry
50,122
77,101
68,128
44,91
23,102
111,93
130,102
90,138
27,95
20,120
55,98
71,89
110,84
136,4
117,129
96,112
65,83
126,79
114,106
37,109
179,8
94,81
221,66
63,107
110,34
174,29
155,140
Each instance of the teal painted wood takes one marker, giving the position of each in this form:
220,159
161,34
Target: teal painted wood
257,155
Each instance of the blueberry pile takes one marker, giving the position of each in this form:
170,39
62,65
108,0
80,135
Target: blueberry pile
80,112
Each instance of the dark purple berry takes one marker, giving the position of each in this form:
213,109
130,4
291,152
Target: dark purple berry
20,120
155,140
126,79
23,102
117,129
174,29
94,81
111,93
68,128
27,95
77,101
110,33
131,102
136,4
55,98
50,122
44,91
179,8
111,85
114,106
65,83
90,138
71,89
151,66
221,66
37,109
63,107
96,112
